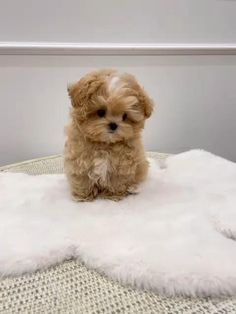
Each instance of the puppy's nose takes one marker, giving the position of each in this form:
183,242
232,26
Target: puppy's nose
113,126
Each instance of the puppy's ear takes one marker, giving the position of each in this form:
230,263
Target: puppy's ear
146,103
75,92
81,92
79,99
144,100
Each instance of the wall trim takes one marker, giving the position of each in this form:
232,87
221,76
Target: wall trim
54,48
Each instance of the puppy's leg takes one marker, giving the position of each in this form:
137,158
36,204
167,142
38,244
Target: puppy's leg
125,185
141,171
117,190
140,175
82,189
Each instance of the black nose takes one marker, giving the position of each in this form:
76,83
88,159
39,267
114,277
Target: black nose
113,126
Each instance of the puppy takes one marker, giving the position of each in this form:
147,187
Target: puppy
104,155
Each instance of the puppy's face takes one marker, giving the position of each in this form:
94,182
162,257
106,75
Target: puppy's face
109,107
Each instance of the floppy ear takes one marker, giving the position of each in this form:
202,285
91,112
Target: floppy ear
80,94
146,103
144,100
74,93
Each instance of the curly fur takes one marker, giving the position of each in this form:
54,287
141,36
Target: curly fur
100,161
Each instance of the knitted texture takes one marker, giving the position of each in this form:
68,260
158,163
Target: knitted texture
73,288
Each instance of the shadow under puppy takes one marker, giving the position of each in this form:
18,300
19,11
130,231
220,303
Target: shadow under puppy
104,154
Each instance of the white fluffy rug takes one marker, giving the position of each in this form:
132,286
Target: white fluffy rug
175,237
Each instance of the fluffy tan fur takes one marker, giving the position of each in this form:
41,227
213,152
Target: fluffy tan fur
99,159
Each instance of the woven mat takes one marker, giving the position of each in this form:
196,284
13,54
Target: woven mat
72,288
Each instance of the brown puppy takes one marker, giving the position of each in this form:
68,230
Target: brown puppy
104,155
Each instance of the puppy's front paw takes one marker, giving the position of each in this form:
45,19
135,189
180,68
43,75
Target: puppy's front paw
115,198
78,198
133,189
82,197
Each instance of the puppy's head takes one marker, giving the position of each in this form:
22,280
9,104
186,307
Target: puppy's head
109,107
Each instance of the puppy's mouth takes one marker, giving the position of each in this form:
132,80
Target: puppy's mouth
114,132
113,136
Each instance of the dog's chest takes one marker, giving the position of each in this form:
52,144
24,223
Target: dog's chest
100,170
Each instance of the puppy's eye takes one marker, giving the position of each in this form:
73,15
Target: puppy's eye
101,113
124,116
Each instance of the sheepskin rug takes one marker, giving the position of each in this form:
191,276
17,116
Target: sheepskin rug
175,237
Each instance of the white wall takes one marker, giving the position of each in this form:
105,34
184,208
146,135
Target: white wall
195,95
118,20
195,101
